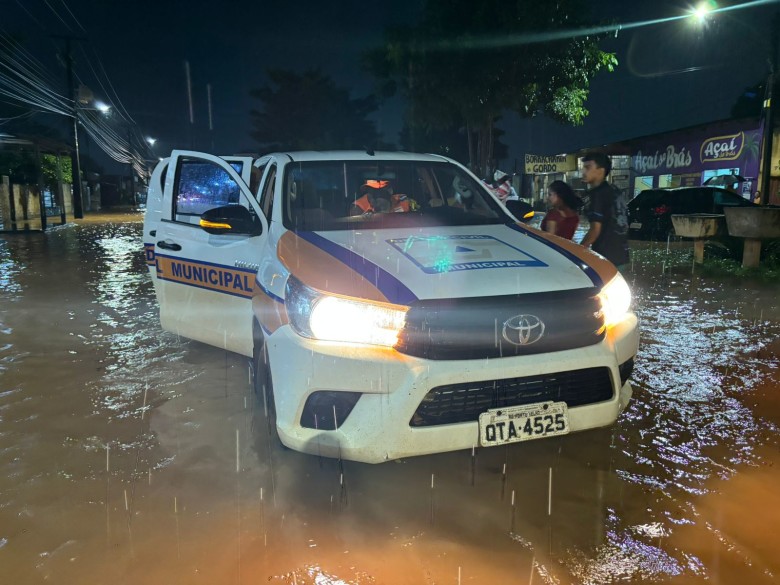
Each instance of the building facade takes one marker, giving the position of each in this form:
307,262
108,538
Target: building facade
681,158
690,157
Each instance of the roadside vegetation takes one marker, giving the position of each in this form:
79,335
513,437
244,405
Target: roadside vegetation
722,259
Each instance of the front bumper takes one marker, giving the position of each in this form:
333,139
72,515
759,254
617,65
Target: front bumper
393,385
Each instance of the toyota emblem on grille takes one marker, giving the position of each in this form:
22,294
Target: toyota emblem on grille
523,329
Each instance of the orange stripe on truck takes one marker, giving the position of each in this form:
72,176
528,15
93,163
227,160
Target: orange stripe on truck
319,270
604,268
270,313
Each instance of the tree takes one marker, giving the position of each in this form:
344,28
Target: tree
447,141
309,112
21,166
450,141
467,62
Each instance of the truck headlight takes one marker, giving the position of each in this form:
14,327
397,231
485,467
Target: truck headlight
328,317
615,300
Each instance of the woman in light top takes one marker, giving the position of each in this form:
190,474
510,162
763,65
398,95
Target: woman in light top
563,217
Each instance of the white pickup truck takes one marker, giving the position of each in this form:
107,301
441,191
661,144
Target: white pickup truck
391,305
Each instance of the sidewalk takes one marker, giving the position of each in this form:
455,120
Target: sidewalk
123,215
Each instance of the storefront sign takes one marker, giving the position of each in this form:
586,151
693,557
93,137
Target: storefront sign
722,148
728,145
671,158
538,164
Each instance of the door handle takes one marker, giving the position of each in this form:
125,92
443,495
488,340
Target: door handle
168,245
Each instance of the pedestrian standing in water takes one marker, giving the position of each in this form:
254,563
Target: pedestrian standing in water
607,211
563,217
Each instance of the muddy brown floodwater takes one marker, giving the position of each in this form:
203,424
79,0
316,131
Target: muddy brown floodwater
132,456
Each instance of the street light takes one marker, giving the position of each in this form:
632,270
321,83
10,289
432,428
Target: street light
700,13
151,140
769,113
75,157
702,10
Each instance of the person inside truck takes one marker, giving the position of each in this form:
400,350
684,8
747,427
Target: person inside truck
463,196
378,197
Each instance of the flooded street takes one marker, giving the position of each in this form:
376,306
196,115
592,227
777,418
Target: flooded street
133,456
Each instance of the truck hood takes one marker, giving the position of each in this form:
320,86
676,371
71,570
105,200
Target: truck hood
451,262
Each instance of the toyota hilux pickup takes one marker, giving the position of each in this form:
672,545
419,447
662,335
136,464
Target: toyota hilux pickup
391,305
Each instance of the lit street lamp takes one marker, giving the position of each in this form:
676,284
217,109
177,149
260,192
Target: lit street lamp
700,14
702,10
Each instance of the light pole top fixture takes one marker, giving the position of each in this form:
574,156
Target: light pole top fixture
702,10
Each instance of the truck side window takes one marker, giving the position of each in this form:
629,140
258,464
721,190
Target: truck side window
201,186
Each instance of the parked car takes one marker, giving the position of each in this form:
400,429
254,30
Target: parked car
650,212
431,321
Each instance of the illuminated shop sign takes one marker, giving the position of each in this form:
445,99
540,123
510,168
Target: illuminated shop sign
722,148
670,158
535,163
684,153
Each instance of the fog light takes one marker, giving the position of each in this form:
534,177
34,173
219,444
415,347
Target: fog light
328,410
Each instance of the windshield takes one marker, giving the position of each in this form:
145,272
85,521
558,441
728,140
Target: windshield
354,195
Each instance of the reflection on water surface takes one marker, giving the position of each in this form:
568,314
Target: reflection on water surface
133,456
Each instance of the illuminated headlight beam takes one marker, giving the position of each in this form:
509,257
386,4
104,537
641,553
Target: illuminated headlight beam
340,319
615,300
325,317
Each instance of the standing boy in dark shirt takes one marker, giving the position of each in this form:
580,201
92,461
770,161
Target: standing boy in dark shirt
608,233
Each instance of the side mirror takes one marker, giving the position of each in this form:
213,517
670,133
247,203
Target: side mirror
230,219
521,210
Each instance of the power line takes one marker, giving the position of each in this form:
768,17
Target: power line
57,14
126,115
111,85
73,16
30,77
25,81
28,114
38,22
14,46
35,95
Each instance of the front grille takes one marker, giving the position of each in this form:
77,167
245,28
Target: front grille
474,328
464,402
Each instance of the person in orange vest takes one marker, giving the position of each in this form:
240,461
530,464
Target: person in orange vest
378,197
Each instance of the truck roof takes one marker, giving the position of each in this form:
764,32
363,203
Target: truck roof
325,155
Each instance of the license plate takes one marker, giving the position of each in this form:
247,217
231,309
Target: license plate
635,225
512,424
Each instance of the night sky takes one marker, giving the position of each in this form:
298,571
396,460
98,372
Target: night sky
670,75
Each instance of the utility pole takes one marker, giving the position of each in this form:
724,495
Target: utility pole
769,108
130,162
78,203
